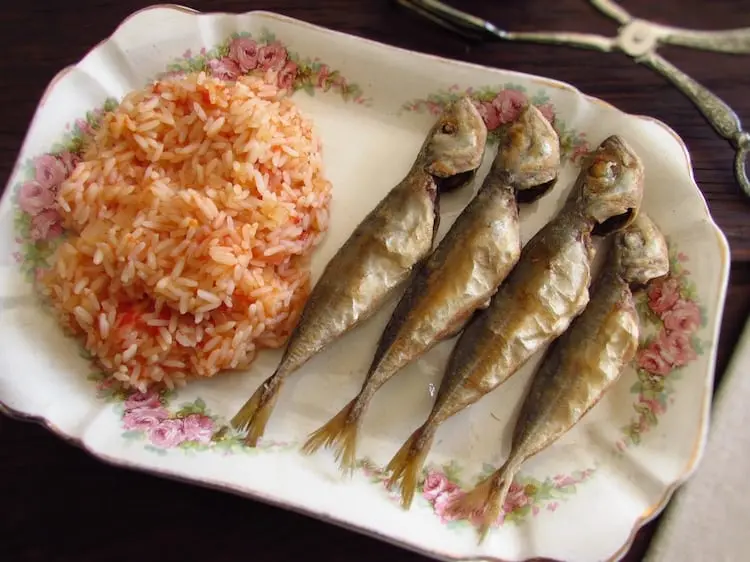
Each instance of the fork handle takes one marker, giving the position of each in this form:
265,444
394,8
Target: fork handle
718,113
721,117
733,41
462,23
612,10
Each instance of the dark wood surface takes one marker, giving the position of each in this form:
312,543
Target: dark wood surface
58,503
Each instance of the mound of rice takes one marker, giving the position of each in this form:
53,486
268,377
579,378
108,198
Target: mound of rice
191,220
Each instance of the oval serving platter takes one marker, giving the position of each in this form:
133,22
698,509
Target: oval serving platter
582,499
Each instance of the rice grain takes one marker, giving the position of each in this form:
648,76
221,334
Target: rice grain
190,223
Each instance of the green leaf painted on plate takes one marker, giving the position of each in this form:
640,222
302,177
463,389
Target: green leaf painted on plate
539,98
266,36
159,451
132,435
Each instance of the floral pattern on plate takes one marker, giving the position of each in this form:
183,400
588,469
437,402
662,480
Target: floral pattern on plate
152,419
501,104
37,221
670,318
668,309
242,54
528,496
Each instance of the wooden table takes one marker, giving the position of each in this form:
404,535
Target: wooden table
60,504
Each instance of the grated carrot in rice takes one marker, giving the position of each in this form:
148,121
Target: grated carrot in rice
191,220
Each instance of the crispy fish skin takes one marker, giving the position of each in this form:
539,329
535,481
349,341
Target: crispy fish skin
581,365
379,255
541,296
481,248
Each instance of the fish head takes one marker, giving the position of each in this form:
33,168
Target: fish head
454,147
610,187
529,153
640,251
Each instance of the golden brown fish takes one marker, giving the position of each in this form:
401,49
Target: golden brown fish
581,365
463,272
379,255
543,293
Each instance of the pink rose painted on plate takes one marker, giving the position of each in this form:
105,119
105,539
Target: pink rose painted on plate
563,480
663,294
45,225
548,110
653,405
434,485
506,107
677,349
50,172
198,428
33,198
434,108
224,68
650,359
444,501
323,74
526,497
489,114
516,498
244,52
509,104
142,400
287,75
84,126
684,316
272,56
653,359
143,419
69,161
167,433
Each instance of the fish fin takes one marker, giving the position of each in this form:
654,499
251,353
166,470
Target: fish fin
340,433
485,501
408,462
254,415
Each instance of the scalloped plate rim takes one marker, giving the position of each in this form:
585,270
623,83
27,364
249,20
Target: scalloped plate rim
725,256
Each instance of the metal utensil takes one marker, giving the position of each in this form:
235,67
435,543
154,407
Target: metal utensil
637,38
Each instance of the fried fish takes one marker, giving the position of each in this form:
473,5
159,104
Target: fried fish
380,254
547,289
478,252
581,365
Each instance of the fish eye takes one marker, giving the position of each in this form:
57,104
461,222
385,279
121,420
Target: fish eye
604,169
448,128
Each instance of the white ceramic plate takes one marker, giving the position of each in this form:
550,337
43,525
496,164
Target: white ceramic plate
583,499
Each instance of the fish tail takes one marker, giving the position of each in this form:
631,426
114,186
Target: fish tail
254,415
485,501
340,433
407,464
